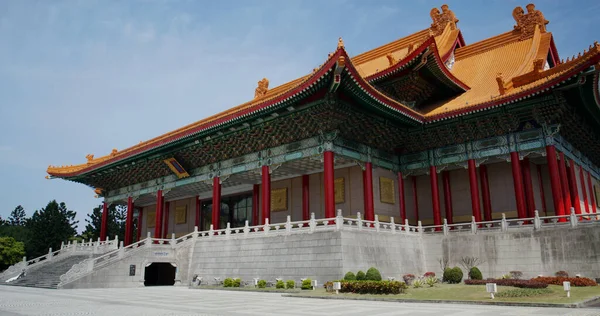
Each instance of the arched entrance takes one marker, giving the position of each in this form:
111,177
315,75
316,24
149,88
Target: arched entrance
159,273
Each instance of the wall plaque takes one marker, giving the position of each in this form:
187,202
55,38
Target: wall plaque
387,194
132,270
279,200
339,190
181,214
151,219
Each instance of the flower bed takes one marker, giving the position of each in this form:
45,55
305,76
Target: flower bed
524,292
369,287
529,284
560,280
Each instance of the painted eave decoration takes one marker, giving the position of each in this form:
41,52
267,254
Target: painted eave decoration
177,168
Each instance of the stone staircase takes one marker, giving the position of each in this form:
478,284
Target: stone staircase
48,275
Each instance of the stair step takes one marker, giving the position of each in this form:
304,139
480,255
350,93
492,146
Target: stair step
48,275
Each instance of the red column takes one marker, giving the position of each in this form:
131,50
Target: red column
255,201
542,195
305,198
266,194
557,197
329,187
104,221
368,192
129,223
447,197
564,184
435,195
530,200
485,193
402,197
518,184
139,227
574,189
166,220
197,217
216,203
159,215
475,204
584,190
415,198
592,198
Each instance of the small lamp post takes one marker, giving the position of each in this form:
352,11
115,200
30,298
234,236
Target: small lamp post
567,288
491,288
256,282
314,284
337,286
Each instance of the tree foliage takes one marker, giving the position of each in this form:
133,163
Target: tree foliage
49,227
17,216
117,214
11,252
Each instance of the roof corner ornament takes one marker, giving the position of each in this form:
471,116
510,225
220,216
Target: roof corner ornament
526,22
340,43
501,84
114,152
440,20
391,59
261,90
90,158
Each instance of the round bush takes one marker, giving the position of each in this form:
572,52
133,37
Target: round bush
562,274
475,274
262,284
236,282
280,285
306,284
453,275
373,275
349,276
290,284
228,282
360,276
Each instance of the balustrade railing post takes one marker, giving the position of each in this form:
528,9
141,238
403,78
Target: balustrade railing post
91,245
266,226
246,229
406,226
339,220
173,241
504,224
473,225
359,221
537,223
62,245
149,240
420,227
288,225
121,250
392,225
211,231
376,222
312,224
74,245
228,230
50,255
116,242
445,228
573,218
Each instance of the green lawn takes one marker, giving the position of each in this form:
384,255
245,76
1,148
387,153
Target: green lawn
461,292
248,289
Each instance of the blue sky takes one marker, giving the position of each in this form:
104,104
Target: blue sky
79,77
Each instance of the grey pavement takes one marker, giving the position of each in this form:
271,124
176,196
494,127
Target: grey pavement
183,301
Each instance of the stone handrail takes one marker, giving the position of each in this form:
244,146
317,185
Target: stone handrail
64,251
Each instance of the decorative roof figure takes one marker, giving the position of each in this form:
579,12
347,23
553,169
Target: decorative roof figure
526,22
391,59
261,90
440,20
340,43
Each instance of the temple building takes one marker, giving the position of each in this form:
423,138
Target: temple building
425,128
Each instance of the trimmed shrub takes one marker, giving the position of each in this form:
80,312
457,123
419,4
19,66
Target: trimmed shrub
306,284
516,274
280,285
429,274
228,282
262,284
237,282
350,276
529,284
453,275
560,280
431,281
373,287
524,292
360,276
418,283
475,274
373,275
506,276
290,284
408,278
561,274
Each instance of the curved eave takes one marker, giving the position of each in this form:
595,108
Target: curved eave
291,94
559,80
412,58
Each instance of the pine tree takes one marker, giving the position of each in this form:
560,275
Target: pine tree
17,216
49,227
117,215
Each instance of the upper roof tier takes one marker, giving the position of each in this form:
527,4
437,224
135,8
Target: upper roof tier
488,73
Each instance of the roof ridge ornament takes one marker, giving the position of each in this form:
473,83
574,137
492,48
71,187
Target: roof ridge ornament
261,90
526,22
440,20
340,43
391,59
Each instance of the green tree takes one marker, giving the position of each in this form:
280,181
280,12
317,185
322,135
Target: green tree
11,252
2,221
117,215
17,216
49,227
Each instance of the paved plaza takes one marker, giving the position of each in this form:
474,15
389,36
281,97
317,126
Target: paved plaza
183,301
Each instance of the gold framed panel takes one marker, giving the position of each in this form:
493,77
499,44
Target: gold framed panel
151,219
339,190
279,200
387,194
181,214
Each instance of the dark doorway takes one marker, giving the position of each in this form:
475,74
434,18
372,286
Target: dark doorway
159,273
